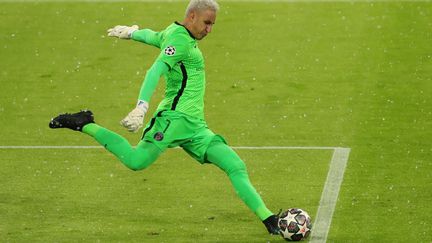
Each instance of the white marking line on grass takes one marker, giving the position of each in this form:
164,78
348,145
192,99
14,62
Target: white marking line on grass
238,1
330,195
50,147
234,147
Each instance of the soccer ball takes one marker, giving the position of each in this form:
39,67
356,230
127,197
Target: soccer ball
295,224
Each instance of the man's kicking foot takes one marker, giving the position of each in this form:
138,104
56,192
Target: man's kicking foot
75,121
272,224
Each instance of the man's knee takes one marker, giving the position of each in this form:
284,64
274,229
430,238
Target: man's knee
139,160
236,167
234,164
137,164
220,154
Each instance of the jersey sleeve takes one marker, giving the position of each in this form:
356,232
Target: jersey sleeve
174,50
151,80
147,36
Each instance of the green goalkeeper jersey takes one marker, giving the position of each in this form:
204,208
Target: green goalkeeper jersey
185,81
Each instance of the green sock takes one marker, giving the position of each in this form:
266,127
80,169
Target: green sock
91,129
225,158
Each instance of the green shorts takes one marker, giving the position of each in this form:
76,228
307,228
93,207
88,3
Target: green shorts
169,129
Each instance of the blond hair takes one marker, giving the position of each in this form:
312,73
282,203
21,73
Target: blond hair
202,5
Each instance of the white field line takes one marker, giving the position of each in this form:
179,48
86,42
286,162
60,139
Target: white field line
234,147
221,1
329,194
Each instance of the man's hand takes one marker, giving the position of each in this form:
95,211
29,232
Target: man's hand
134,120
122,32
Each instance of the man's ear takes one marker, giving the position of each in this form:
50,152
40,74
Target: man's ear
192,15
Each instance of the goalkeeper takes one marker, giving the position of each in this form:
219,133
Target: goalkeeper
179,119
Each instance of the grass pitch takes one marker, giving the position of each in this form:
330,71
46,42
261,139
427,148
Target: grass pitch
349,74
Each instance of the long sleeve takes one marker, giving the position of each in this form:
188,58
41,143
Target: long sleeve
147,36
151,80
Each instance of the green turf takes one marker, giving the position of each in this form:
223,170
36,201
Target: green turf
349,74
87,196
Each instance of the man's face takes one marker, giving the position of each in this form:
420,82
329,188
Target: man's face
202,23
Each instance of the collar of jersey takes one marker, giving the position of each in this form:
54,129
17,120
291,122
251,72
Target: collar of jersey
177,23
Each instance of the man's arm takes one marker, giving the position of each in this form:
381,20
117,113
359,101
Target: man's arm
151,80
133,32
147,36
134,120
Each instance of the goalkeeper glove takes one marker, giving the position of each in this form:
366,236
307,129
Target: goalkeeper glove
134,120
122,32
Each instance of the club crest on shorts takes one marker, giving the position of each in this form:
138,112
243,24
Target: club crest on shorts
170,50
158,136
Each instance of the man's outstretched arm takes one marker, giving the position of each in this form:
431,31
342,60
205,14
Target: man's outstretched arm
147,36
133,32
134,120
151,80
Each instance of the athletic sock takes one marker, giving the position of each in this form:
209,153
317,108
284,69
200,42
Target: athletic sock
91,129
225,158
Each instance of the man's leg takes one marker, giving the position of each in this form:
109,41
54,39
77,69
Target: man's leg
224,157
137,158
